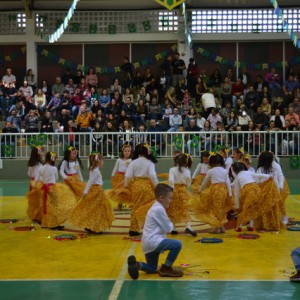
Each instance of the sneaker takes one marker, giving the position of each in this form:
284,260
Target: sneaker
191,232
295,277
249,228
133,267
174,232
238,229
133,233
166,271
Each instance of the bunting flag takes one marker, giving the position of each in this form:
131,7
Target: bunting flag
75,27
294,162
250,66
13,56
170,4
103,70
285,24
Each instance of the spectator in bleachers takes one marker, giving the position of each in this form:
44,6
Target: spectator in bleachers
91,78
40,101
9,78
288,145
154,109
143,95
278,119
113,108
65,102
213,118
279,104
166,67
117,96
266,107
191,114
200,89
151,87
175,120
127,93
272,79
19,107
260,119
19,97
82,85
171,96
63,120
31,80
243,120
258,85
126,136
120,118
231,121
128,70
67,76
99,118
237,91
156,139
180,89
140,138
54,105
295,105
290,89
70,86
47,125
29,105
200,120
162,87
225,92
76,100
215,80
292,118
110,141
225,111
208,102
115,85
9,140
84,122
191,77
178,66
77,78
271,138
130,111
58,87
26,89
245,77
15,120
97,138
96,107
32,121
46,90
238,139
230,75
192,127
10,94
72,138
219,138
147,77
251,100
137,81
141,112
104,99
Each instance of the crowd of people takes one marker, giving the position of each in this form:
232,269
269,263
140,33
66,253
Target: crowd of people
180,98
221,187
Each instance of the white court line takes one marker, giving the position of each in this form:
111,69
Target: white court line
294,199
114,294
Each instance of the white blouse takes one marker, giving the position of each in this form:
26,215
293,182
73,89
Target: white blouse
121,166
47,174
94,178
202,168
177,177
73,168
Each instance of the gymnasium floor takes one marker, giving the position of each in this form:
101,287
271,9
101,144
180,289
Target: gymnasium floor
36,266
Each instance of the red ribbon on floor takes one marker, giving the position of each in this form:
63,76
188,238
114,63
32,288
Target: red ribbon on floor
46,188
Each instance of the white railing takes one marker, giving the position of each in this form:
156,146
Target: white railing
283,143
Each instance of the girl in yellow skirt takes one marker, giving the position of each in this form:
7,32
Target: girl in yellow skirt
57,200
94,212
180,181
255,195
70,171
238,154
212,204
34,164
268,165
224,151
200,171
118,173
141,179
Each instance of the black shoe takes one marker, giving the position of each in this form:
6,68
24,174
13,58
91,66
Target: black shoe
191,232
133,267
93,232
58,228
174,232
133,233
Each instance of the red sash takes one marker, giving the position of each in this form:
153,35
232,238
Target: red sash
46,188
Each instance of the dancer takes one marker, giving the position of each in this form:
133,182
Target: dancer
238,154
56,198
224,151
212,204
200,171
70,171
255,195
118,173
154,240
180,181
141,179
268,165
34,211
93,212
247,162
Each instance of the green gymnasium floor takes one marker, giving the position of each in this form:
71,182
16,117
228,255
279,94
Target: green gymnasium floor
35,266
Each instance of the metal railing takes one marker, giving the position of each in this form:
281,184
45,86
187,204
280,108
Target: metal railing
283,143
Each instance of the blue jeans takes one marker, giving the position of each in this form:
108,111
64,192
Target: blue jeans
152,257
296,258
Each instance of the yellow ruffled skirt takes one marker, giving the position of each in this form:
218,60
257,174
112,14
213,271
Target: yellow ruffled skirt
143,197
75,185
197,183
34,210
269,207
284,193
178,211
93,211
118,193
212,204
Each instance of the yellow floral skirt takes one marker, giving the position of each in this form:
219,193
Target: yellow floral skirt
75,185
118,193
197,183
284,193
93,211
270,218
34,210
178,210
143,197
212,204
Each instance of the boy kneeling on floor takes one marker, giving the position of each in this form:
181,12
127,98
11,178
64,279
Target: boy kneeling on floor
154,239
